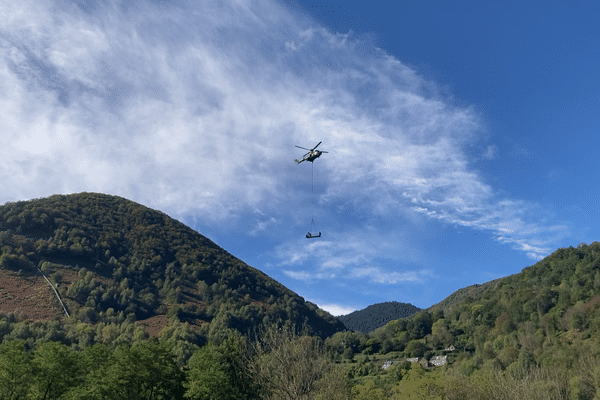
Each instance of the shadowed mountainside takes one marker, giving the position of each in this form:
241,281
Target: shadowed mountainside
377,315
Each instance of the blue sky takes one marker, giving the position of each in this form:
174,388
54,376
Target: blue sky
462,136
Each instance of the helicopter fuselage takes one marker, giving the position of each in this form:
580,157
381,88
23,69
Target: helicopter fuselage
310,156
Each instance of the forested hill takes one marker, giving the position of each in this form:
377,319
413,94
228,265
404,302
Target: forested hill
455,299
116,261
546,315
377,315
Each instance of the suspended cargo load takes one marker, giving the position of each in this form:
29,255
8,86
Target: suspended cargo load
311,156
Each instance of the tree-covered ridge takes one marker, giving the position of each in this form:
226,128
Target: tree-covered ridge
115,260
455,299
547,315
377,315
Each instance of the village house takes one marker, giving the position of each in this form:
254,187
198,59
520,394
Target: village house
438,361
435,361
388,364
450,348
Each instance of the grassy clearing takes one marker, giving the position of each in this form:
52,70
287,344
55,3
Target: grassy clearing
413,384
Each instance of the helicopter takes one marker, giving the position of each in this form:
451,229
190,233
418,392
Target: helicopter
312,154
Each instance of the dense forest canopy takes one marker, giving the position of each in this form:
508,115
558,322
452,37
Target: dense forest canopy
546,315
377,315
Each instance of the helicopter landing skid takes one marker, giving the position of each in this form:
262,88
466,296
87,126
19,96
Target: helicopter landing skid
310,235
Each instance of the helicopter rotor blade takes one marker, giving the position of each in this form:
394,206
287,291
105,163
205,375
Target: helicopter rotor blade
317,145
303,148
323,151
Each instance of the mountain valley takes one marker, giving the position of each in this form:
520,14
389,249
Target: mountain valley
96,274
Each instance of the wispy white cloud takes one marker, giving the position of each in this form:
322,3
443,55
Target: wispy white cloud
194,108
352,257
310,276
490,152
327,254
336,309
520,151
262,224
377,275
299,275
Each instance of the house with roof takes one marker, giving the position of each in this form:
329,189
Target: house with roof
424,362
438,361
435,361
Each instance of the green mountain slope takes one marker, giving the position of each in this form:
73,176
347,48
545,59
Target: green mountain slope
548,314
455,299
114,260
